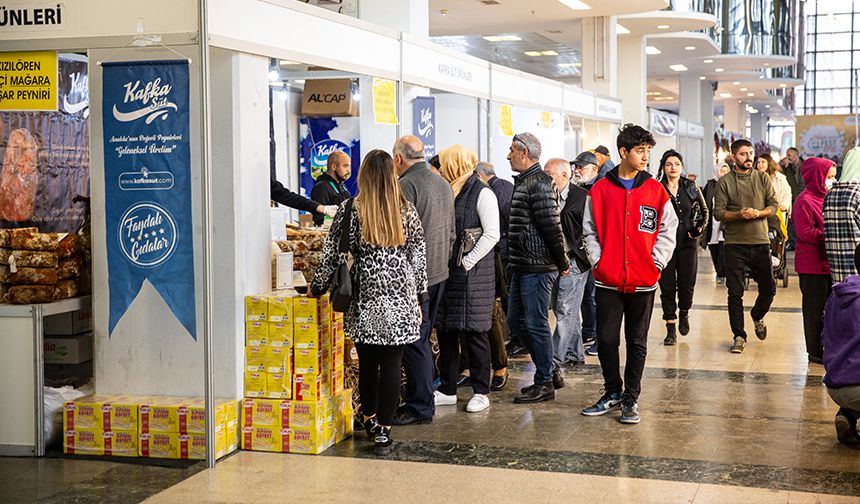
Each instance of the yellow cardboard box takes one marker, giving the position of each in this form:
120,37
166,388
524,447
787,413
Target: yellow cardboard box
159,445
255,358
102,412
337,356
180,446
232,430
97,442
279,385
337,376
311,336
266,413
281,334
280,308
255,384
277,359
312,440
179,415
256,308
310,387
270,439
308,310
256,333
311,361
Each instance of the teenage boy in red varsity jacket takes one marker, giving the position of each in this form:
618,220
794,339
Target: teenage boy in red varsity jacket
629,233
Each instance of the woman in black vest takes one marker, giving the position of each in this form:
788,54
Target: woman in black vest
679,276
470,291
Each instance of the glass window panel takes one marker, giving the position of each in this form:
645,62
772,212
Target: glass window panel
832,78
836,60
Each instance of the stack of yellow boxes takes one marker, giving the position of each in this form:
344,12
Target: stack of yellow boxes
314,418
157,427
268,346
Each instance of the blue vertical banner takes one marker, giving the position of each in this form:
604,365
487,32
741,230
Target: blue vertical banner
145,113
424,123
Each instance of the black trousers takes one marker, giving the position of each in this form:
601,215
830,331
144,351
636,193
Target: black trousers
418,359
379,380
589,309
478,346
498,352
756,259
815,290
635,310
679,277
718,254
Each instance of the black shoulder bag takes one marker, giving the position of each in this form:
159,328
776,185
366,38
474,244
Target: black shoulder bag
341,284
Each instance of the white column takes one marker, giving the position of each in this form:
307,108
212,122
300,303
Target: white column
690,98
633,79
758,127
707,107
599,56
411,16
734,116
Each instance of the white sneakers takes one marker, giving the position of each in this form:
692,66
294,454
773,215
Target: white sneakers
441,399
478,402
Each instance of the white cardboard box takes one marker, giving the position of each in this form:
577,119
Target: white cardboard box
67,324
69,349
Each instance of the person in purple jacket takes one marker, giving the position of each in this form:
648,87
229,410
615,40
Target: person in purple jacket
810,258
842,354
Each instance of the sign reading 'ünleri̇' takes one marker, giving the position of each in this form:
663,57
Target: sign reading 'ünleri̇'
28,80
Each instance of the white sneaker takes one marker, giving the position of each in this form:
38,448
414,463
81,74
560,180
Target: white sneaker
441,399
478,402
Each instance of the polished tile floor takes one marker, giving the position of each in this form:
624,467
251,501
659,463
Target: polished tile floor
716,427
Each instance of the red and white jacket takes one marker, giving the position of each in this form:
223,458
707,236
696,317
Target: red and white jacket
629,235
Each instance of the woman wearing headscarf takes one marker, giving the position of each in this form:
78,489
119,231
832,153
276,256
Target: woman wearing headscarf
713,238
470,291
842,218
810,257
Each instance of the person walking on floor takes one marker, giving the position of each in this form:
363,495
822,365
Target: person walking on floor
585,175
537,255
744,200
679,275
714,240
328,188
842,218
810,256
567,337
434,201
629,231
470,291
389,276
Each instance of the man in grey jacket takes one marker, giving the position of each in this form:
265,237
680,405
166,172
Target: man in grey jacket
434,200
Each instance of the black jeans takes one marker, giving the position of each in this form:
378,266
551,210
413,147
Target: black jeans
815,290
379,380
589,309
418,359
635,309
718,254
498,352
679,277
478,346
756,259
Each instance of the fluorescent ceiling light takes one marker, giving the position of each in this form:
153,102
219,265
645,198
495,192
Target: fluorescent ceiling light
502,38
569,65
652,50
575,4
690,48
767,64
718,70
532,53
701,77
736,83
621,30
548,53
662,27
783,85
708,61
743,89
725,95
678,67
767,106
750,94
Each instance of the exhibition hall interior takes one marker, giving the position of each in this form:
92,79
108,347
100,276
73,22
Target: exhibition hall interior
509,251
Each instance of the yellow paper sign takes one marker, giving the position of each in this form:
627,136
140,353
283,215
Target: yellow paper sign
384,101
545,120
28,80
506,124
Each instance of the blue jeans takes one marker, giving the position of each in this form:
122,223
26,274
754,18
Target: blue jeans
567,338
528,316
589,309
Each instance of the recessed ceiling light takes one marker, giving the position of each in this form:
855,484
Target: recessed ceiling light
652,50
708,61
532,53
725,95
678,67
783,85
701,77
569,65
502,38
736,83
444,12
718,70
548,53
750,94
657,93
743,89
662,27
690,48
575,4
620,30
767,64
767,106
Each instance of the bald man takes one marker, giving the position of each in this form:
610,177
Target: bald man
329,188
434,201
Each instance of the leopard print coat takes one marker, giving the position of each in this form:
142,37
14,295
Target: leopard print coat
385,310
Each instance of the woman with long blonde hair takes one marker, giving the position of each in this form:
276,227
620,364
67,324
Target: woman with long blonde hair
389,282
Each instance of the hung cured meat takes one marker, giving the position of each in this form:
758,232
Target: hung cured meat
30,294
33,276
20,177
32,239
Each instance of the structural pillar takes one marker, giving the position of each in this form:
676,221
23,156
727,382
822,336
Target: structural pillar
633,79
734,117
758,127
599,56
707,107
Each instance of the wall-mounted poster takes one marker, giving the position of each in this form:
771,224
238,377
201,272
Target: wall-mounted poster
825,136
319,137
424,123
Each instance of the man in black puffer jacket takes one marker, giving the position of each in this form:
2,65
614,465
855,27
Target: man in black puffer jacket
536,256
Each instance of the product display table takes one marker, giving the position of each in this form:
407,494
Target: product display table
22,374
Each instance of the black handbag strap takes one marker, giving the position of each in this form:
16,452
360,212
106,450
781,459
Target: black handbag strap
347,225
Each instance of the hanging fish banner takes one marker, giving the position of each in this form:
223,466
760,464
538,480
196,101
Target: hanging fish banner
145,113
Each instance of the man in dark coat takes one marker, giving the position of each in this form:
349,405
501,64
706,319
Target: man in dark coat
284,196
328,188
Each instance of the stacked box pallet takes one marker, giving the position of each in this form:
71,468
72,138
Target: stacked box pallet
149,427
38,267
269,345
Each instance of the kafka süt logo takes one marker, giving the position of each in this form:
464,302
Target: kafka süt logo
320,153
147,234
151,101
